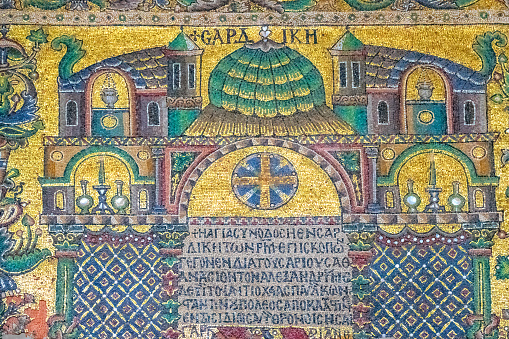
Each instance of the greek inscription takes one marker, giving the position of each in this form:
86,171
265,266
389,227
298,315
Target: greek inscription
265,275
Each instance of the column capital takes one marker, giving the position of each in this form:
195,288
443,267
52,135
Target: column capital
157,152
480,252
66,238
371,151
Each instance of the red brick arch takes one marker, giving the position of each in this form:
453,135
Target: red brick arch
336,178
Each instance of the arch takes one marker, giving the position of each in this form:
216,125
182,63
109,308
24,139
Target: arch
143,202
131,93
345,196
403,90
118,153
59,201
103,154
153,114
71,113
383,112
406,155
469,113
479,199
389,199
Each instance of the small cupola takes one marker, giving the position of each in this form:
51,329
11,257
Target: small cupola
184,61
184,83
349,62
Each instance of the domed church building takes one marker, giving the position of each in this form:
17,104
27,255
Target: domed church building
266,89
141,172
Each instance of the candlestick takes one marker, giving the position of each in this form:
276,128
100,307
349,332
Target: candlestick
102,189
433,191
432,170
102,175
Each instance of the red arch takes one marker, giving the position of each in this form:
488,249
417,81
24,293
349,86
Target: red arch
343,187
448,97
131,93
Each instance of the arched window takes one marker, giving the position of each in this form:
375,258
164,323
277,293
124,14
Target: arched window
342,74
356,74
153,114
479,199
383,113
389,199
469,113
191,76
143,200
71,113
59,201
176,76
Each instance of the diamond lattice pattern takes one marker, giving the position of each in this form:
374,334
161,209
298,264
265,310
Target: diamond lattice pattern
421,292
117,291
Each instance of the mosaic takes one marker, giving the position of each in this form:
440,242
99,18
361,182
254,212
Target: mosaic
254,169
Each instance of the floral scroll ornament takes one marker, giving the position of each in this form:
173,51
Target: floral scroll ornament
18,122
503,81
18,97
500,76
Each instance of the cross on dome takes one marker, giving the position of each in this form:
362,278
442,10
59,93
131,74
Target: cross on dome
265,32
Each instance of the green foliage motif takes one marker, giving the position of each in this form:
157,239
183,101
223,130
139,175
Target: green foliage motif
73,54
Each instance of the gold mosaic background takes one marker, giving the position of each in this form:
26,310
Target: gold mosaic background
451,42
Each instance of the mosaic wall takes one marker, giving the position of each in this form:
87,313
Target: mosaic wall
422,292
254,169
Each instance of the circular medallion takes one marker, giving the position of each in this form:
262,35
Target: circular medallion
478,152
264,181
56,156
143,155
109,121
388,154
426,117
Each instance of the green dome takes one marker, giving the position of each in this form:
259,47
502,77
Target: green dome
266,79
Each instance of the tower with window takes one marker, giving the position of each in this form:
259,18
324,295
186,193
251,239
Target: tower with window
349,70
184,84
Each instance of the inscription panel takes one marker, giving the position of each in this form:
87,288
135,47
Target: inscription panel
265,276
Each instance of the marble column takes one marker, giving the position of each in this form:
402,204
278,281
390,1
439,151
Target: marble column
373,204
158,155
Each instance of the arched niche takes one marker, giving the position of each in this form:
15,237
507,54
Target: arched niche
59,201
71,113
115,169
448,170
316,194
426,101
110,104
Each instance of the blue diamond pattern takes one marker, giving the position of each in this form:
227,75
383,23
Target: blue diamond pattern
113,296
421,292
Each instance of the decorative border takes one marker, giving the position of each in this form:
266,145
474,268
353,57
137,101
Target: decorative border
423,218
103,219
258,221
422,240
303,140
203,19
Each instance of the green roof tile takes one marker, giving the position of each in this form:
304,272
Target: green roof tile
348,42
182,43
279,81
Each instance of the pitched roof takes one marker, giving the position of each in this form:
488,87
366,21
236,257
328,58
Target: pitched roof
385,66
348,42
182,43
147,69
